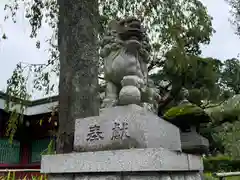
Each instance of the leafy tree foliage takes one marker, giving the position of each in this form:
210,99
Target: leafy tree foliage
211,83
176,29
199,77
224,128
235,11
231,75
227,114
182,25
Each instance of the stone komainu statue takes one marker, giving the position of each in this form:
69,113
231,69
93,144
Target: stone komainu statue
125,50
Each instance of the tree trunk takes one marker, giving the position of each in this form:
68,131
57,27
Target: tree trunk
78,87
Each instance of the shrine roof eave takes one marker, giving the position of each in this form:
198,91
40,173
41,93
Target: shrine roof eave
35,107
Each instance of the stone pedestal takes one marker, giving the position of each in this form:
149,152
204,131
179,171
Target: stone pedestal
194,143
131,176
188,118
131,163
127,143
125,127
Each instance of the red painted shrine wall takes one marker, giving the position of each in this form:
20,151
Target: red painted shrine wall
25,136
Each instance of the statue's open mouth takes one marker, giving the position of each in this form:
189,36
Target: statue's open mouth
132,34
131,30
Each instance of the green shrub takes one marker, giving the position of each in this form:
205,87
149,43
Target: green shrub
12,176
208,176
221,164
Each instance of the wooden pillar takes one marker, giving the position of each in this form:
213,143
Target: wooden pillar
25,153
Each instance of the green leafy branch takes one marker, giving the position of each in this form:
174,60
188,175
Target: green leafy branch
16,96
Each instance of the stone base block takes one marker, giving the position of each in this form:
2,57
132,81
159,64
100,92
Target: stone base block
193,142
130,160
125,127
131,176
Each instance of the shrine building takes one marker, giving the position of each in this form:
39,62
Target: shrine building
32,136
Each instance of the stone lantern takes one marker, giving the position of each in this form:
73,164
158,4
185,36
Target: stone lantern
188,118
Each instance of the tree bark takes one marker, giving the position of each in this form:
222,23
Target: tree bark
78,87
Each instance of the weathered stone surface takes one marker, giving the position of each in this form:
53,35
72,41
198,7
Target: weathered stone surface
193,142
129,95
194,162
192,176
126,51
98,177
165,177
177,176
149,159
132,81
140,176
125,127
61,177
132,176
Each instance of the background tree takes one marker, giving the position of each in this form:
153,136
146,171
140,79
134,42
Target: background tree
235,11
176,30
223,130
231,75
199,77
211,83
182,25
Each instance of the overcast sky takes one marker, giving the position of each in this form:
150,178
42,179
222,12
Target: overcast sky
19,47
